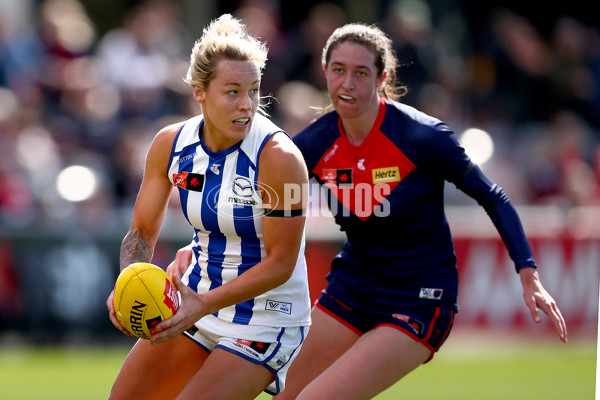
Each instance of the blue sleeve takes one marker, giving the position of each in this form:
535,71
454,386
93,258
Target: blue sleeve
446,156
502,213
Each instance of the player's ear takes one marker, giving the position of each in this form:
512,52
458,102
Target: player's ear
381,78
199,94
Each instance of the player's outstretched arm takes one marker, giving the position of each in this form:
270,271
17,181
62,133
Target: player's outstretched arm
536,298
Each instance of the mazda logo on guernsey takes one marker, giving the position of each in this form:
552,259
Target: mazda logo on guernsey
242,194
242,187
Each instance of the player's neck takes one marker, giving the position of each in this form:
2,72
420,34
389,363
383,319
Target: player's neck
357,129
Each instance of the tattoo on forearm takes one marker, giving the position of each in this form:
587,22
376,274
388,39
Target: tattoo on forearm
134,249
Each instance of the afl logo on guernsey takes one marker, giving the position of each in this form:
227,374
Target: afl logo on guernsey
431,293
279,306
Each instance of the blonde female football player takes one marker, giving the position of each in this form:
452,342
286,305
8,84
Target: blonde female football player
245,303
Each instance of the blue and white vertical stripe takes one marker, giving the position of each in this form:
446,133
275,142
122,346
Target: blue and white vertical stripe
219,197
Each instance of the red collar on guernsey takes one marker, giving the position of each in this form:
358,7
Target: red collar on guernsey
361,177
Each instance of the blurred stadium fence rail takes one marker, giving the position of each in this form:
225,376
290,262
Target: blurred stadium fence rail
54,283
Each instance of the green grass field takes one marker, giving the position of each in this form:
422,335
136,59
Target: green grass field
466,368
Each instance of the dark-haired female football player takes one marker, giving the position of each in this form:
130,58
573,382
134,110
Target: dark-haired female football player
392,291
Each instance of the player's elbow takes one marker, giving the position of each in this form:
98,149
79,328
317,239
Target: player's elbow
286,270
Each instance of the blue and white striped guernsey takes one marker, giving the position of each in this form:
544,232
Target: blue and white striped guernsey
218,193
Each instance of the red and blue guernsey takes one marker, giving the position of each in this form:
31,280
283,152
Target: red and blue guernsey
387,194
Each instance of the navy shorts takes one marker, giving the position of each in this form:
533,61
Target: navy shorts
427,324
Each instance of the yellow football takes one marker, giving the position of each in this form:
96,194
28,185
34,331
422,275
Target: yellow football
144,296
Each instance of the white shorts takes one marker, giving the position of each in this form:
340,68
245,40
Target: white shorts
273,348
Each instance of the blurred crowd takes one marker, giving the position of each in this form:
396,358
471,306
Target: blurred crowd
71,94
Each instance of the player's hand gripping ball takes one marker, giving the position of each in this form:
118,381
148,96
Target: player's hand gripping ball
144,296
